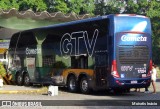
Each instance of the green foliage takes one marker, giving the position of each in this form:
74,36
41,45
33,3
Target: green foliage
139,7
22,5
156,54
75,6
151,9
57,5
88,7
153,13
131,7
60,5
100,8
65,6
8,4
81,6
2,70
35,5
110,7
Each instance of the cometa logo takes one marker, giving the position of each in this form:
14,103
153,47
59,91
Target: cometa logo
133,38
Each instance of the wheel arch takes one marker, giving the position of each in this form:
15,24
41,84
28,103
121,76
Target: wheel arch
69,75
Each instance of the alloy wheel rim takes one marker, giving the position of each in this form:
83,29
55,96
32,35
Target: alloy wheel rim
84,85
72,84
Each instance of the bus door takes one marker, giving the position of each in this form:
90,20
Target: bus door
79,62
31,67
101,64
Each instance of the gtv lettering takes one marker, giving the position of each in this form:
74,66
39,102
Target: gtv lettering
72,41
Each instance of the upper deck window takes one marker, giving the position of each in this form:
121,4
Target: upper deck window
132,23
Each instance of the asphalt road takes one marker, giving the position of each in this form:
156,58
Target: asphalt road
81,101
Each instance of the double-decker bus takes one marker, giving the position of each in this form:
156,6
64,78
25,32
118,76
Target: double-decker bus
105,52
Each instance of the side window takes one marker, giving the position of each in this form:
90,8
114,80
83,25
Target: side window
79,62
48,61
17,61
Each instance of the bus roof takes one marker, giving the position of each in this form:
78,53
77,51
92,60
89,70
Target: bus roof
83,21
72,22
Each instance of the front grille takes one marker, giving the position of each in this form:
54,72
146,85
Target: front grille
133,54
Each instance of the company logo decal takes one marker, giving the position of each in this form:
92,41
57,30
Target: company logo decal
71,41
133,38
32,51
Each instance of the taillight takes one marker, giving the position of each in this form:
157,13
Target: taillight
114,69
118,82
150,68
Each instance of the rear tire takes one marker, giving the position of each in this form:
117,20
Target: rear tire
19,79
26,80
84,85
72,84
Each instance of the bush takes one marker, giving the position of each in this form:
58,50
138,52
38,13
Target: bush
2,70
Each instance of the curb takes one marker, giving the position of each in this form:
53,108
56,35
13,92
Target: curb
38,91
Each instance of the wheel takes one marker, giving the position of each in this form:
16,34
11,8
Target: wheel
19,79
26,80
84,85
72,84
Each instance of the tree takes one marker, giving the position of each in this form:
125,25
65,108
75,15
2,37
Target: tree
60,5
151,9
109,7
136,7
2,70
88,7
50,5
154,15
99,10
8,4
35,5
81,6
75,6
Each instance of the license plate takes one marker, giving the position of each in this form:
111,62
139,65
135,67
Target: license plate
133,82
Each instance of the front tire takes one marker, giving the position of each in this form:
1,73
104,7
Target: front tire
84,85
19,79
72,84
